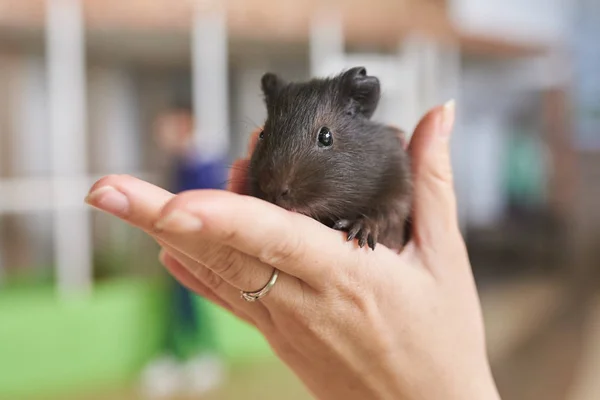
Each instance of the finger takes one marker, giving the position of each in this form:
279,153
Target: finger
138,203
187,279
238,177
226,270
295,244
189,274
129,198
434,201
141,203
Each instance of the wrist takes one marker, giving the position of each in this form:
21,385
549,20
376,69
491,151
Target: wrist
480,386
457,385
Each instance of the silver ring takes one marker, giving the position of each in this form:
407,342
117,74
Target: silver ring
253,296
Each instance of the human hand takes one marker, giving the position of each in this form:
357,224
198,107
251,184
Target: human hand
352,324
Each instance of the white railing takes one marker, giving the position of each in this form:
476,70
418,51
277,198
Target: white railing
62,193
65,63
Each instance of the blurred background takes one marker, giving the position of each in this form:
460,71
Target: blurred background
94,87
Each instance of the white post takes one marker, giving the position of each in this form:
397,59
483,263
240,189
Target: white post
250,111
66,92
30,144
4,112
450,65
409,76
114,135
113,113
210,82
3,105
326,41
430,79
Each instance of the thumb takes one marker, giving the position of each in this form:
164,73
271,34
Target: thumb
435,216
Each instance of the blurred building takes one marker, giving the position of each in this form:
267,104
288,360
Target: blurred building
81,83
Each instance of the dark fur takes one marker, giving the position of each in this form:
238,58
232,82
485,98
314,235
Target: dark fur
361,184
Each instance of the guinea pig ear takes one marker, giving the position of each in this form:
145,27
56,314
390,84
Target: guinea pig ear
271,84
361,90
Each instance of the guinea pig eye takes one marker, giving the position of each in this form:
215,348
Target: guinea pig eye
261,135
325,137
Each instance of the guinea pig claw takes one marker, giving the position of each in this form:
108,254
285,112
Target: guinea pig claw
371,241
366,237
362,240
354,230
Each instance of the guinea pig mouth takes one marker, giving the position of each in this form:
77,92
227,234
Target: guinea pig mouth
290,204
311,209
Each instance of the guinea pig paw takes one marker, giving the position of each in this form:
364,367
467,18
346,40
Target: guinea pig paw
362,229
342,224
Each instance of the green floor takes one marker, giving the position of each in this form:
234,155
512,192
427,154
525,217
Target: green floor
51,346
266,381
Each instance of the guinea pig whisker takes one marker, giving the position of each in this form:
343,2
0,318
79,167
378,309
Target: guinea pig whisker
249,122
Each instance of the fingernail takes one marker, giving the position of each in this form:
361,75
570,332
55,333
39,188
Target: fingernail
178,221
109,199
448,115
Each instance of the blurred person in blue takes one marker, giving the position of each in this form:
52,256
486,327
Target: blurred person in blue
191,364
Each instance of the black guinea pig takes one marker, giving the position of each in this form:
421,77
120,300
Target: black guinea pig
321,155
